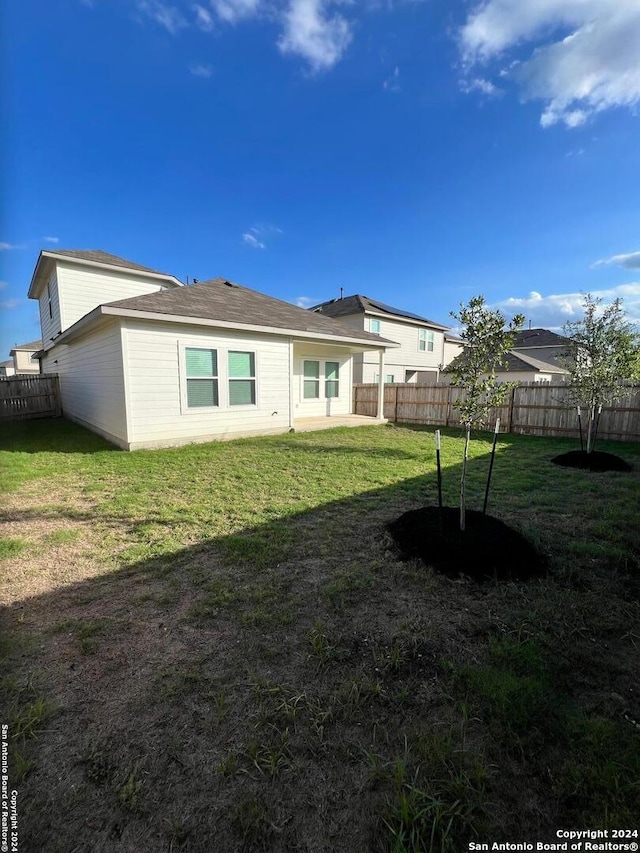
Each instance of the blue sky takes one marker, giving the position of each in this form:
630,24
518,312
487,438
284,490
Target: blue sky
416,152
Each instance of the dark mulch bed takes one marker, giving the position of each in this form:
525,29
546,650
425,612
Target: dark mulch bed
487,550
597,460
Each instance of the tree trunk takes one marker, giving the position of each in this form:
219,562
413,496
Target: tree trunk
592,417
463,480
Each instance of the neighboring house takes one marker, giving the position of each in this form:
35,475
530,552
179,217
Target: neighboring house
24,360
537,356
146,361
424,347
7,368
543,345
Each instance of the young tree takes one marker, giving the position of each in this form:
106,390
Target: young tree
604,354
488,340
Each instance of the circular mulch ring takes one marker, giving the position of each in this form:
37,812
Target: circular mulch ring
487,550
597,460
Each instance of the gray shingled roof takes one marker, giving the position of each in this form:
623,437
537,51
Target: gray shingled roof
32,345
517,361
219,299
100,257
538,338
358,304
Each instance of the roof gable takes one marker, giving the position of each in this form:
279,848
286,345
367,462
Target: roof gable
89,257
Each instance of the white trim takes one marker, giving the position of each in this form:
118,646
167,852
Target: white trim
124,354
292,401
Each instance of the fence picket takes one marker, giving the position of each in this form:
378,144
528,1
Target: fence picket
531,409
23,397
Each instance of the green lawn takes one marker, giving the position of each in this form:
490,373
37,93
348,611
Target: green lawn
217,647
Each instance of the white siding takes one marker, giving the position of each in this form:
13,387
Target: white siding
81,289
407,356
340,405
92,381
50,326
24,362
157,416
451,350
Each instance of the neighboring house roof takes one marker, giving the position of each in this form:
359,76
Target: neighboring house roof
538,338
358,304
516,362
225,303
520,361
90,257
34,346
6,364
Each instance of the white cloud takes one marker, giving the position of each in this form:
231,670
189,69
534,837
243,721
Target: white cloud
306,301
257,235
479,84
252,241
166,16
7,247
630,261
51,239
3,284
553,311
310,33
204,18
199,70
8,304
578,57
392,83
231,11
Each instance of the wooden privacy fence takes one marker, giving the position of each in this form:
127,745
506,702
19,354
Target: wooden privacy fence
532,409
23,397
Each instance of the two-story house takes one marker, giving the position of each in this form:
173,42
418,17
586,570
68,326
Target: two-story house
24,360
147,361
425,347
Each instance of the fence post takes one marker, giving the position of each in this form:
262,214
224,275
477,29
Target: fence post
448,409
395,404
510,415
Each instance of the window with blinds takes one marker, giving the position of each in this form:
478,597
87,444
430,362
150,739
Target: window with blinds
311,390
242,378
426,340
202,377
331,381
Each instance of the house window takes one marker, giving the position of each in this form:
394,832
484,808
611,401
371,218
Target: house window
242,378
311,390
374,327
49,300
202,377
426,340
331,380
389,378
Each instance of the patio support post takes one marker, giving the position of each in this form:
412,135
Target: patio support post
380,414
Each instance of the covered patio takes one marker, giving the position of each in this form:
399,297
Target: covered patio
332,421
